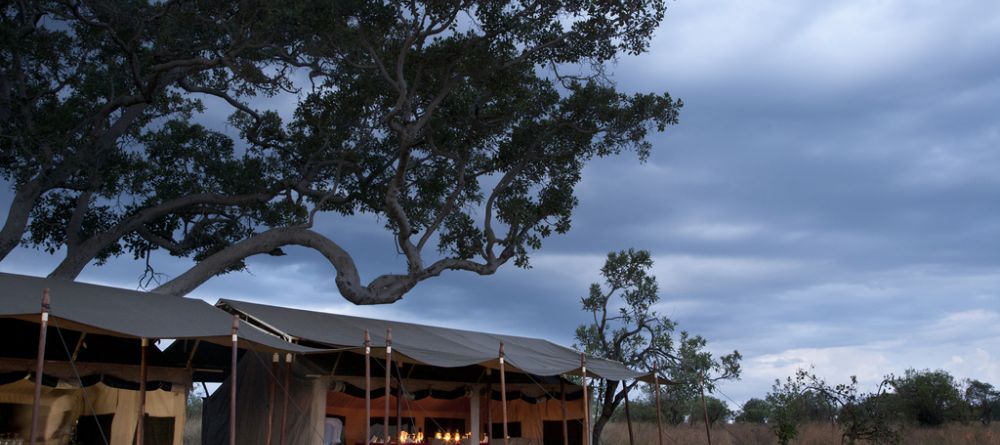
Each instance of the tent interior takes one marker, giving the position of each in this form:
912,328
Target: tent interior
326,403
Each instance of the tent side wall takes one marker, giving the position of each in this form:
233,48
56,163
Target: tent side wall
305,416
63,406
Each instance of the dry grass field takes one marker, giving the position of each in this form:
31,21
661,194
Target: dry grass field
814,434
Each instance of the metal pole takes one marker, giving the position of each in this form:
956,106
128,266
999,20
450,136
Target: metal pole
388,383
628,417
39,365
270,397
288,389
503,395
368,388
656,392
141,427
565,421
586,402
232,388
704,407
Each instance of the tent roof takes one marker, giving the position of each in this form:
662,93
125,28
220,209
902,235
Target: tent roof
125,313
436,346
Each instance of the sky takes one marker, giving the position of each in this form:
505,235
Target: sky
829,200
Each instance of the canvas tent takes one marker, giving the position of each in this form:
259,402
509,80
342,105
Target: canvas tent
93,359
441,378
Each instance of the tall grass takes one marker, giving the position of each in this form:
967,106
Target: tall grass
811,434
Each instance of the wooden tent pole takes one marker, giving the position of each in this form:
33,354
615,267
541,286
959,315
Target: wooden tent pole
399,404
388,383
489,409
586,402
503,394
141,426
232,378
628,417
284,403
565,420
270,397
368,388
39,366
656,392
704,407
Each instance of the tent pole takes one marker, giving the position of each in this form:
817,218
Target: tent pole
288,393
565,424
270,397
503,394
656,387
232,377
368,388
141,426
37,403
284,403
704,407
79,344
388,383
399,402
586,403
628,418
489,409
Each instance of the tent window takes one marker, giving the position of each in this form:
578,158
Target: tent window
158,430
513,428
89,428
552,432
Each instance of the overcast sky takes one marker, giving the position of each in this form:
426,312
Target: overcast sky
830,198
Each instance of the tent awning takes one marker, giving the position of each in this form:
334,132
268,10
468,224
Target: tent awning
430,345
125,313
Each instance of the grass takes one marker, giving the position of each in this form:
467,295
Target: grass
812,434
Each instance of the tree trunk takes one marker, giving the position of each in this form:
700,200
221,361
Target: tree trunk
14,227
599,425
609,402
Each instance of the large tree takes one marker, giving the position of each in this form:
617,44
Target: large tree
463,126
627,329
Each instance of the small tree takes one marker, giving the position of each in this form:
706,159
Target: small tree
754,411
983,400
806,397
627,330
716,410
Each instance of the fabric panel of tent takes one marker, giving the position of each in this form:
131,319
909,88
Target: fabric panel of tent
132,314
430,345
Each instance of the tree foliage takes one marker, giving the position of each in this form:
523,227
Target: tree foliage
462,126
754,411
927,397
626,329
983,401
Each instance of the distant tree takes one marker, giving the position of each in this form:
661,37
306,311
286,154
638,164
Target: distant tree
806,397
754,411
627,330
716,409
463,127
675,402
983,400
927,397
799,398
